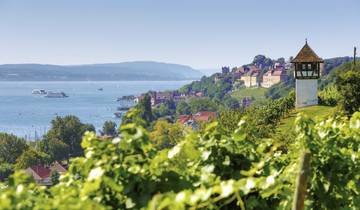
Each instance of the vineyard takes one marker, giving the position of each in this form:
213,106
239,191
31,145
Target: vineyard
211,170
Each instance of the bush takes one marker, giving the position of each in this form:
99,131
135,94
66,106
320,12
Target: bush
348,86
329,96
207,171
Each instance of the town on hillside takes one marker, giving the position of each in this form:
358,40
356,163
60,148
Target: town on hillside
262,73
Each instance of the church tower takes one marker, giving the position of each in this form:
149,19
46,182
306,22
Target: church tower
307,72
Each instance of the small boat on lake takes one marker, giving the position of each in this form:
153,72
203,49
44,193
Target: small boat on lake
118,114
126,98
56,95
39,92
123,108
100,89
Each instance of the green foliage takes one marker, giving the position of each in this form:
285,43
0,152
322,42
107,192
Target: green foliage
258,94
287,124
54,177
69,130
31,157
208,86
145,108
202,104
6,170
11,147
134,115
230,102
208,170
348,86
56,149
167,108
229,119
263,61
183,108
332,76
329,96
109,128
141,114
263,119
334,145
333,63
166,135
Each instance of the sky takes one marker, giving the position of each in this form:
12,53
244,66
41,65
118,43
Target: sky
199,33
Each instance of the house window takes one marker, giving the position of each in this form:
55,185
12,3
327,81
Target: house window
309,66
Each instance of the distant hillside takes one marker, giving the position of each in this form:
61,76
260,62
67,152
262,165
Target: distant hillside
127,71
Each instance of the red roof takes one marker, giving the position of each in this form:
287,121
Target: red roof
198,117
184,118
41,171
204,116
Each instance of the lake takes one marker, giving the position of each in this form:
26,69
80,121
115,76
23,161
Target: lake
29,116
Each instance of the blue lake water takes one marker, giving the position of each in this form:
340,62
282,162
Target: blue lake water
27,115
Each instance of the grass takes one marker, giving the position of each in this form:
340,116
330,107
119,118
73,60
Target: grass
315,112
257,93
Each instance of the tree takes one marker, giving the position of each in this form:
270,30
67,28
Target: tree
165,109
32,157
55,148
11,147
166,135
145,108
348,86
109,128
70,131
5,170
133,116
54,176
229,120
202,104
183,108
231,102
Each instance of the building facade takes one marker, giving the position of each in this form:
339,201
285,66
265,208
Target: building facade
274,76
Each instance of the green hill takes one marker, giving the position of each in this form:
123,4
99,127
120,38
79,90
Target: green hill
257,93
315,112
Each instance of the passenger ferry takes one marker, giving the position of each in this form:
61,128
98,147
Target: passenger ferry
56,95
39,92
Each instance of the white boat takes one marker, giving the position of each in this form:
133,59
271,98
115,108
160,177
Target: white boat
39,92
56,95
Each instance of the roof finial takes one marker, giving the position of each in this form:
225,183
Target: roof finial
305,40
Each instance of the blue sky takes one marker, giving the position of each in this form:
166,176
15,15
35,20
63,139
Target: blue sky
199,33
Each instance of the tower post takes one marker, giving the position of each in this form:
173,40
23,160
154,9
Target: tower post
354,57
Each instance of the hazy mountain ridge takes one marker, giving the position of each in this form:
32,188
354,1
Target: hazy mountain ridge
127,71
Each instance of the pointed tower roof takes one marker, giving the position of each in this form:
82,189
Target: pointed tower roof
306,54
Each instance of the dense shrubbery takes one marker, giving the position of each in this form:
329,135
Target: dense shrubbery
211,170
209,88
262,118
61,142
329,96
348,86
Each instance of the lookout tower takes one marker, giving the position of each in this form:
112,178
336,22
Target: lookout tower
307,72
